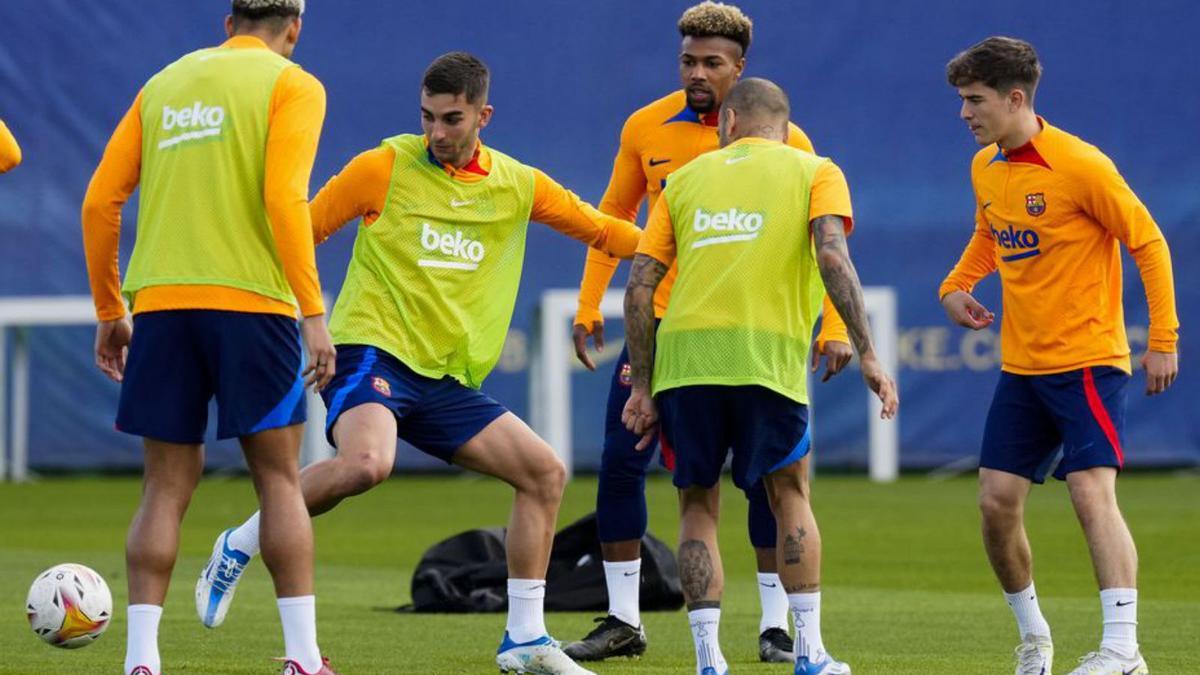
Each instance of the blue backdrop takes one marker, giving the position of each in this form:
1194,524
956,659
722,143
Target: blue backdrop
867,84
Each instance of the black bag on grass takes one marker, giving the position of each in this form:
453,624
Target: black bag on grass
468,573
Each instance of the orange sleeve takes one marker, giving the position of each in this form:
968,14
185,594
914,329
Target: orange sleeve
830,195
1105,196
658,241
359,190
622,198
115,179
10,152
563,210
297,112
627,184
977,261
798,139
833,327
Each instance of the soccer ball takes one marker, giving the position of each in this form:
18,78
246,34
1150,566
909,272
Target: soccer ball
69,606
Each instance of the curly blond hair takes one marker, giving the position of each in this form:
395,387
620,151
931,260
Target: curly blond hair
716,19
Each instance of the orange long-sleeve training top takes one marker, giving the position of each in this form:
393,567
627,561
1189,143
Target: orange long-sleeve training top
10,152
361,189
297,112
1051,216
655,141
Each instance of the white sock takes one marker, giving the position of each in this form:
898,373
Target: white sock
806,614
705,623
525,618
245,538
624,581
774,603
1029,615
1119,606
141,638
299,618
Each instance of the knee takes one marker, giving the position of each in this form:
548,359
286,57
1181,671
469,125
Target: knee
786,488
996,506
698,502
365,470
1092,497
546,481
621,480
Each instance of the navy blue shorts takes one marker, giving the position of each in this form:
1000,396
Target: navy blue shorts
1032,416
437,416
180,359
702,424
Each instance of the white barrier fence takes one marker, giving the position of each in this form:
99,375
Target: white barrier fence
17,315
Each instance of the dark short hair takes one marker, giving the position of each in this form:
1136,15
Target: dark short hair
272,15
457,73
1002,63
758,97
716,19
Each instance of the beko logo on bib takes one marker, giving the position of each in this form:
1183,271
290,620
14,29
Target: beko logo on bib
740,226
468,251
195,121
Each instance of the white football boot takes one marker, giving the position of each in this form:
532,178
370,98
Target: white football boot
1108,662
218,580
825,665
543,656
1034,656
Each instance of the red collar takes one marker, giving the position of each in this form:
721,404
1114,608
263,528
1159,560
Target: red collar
1026,154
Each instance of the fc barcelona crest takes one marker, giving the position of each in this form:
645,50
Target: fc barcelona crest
381,385
626,375
1035,203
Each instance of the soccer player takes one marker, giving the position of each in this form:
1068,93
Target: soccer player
755,227
419,324
10,152
656,141
1051,214
222,142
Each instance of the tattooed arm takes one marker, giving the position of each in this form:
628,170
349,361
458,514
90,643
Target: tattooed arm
640,415
844,289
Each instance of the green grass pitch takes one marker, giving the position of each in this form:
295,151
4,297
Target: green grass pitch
906,585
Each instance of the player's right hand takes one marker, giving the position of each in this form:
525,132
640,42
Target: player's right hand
966,311
112,346
837,354
882,384
1161,370
640,416
579,335
322,357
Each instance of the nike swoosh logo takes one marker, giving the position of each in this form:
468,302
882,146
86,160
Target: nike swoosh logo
1124,604
656,162
461,202
616,643
631,574
735,160
770,585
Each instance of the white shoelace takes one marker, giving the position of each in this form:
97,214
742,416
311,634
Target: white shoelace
227,573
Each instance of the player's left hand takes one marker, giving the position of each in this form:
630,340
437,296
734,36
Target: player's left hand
112,346
579,336
640,416
1161,370
837,354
